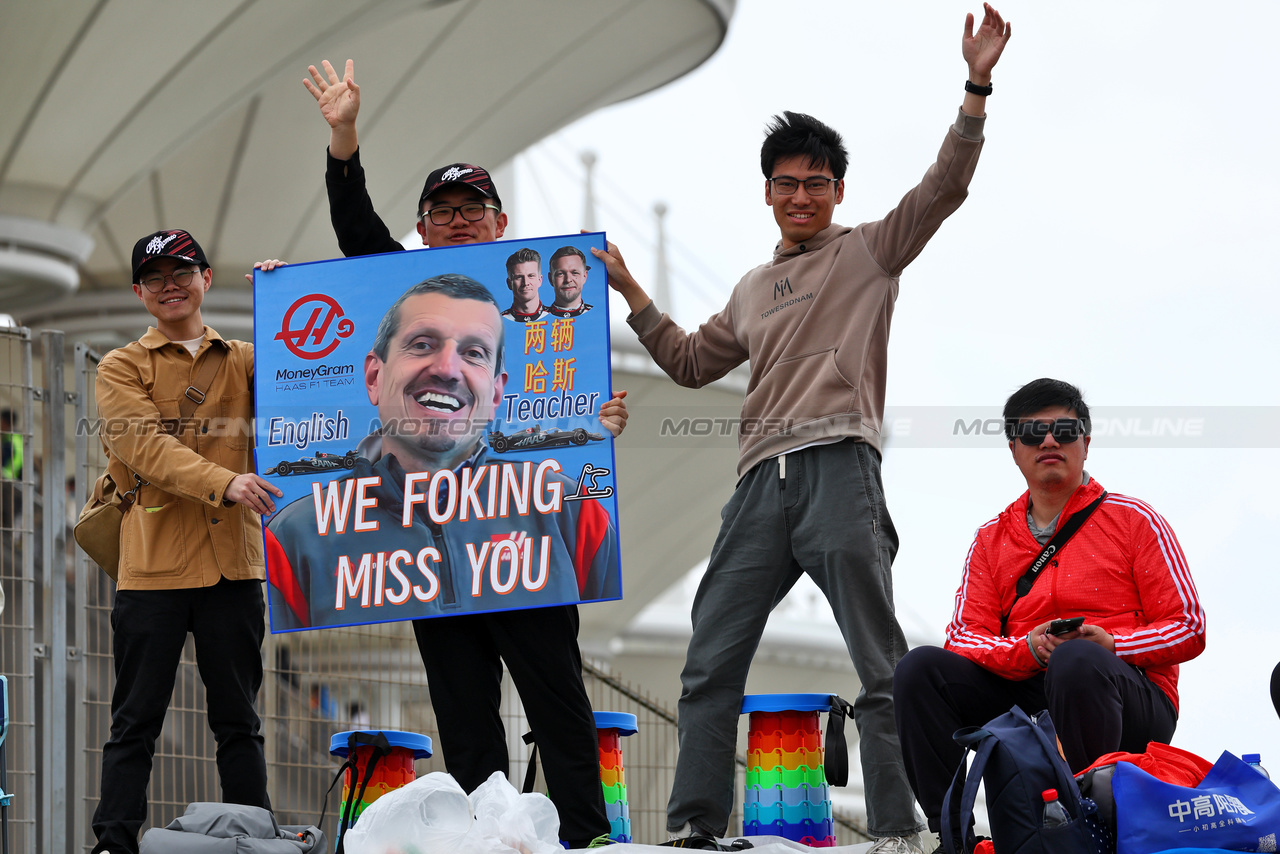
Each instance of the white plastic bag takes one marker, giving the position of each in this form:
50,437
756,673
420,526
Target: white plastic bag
525,823
432,814
428,815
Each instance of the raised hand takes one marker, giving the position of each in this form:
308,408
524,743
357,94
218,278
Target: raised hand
982,49
339,99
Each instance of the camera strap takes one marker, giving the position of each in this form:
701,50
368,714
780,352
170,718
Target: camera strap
1055,545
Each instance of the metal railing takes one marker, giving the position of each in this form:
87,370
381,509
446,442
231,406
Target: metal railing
18,546
55,647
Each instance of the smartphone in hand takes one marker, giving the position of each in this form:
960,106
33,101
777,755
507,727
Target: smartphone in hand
1065,627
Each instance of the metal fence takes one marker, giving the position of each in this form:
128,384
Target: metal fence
18,626
55,648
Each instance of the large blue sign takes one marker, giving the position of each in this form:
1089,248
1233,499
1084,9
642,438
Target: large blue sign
432,418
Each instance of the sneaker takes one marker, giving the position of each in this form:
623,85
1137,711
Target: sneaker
897,845
701,843
686,830
677,838
706,843
601,841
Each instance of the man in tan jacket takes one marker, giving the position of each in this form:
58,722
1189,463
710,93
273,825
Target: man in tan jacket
814,324
191,545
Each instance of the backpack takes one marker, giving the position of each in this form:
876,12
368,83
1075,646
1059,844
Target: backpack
1017,758
211,828
1162,761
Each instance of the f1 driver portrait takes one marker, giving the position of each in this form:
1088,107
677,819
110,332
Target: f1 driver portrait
480,533
524,278
568,273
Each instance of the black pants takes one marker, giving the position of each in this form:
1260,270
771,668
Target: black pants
150,628
1098,704
463,656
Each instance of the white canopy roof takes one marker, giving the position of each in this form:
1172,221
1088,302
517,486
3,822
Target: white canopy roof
127,117
137,115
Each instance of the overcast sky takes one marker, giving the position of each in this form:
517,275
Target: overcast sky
1119,234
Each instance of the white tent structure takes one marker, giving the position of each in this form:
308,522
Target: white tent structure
125,117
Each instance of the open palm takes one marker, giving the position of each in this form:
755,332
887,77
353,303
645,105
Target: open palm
339,99
982,49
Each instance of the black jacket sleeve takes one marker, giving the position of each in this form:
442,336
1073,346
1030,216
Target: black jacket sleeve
359,229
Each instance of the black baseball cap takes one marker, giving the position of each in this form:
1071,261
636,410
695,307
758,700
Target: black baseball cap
171,243
459,173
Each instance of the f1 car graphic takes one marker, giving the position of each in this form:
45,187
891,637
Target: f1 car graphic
536,437
321,462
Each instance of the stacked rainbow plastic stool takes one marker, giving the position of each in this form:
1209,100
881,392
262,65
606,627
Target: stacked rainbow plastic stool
786,790
390,773
610,728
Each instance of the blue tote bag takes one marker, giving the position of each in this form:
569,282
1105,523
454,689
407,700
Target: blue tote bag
1233,808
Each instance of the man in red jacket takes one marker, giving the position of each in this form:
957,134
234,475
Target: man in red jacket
1111,682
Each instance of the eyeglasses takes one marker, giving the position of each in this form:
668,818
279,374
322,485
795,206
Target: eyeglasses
1065,431
471,212
181,278
785,185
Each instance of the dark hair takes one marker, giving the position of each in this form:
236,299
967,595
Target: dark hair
1042,394
565,251
522,256
454,285
792,134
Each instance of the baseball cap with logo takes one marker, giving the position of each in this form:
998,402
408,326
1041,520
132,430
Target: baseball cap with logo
171,243
460,173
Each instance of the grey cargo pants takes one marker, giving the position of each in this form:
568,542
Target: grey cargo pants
826,517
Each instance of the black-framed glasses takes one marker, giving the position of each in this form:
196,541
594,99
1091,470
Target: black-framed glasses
785,185
155,283
1065,431
471,212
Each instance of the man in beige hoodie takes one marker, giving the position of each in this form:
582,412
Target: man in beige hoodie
814,324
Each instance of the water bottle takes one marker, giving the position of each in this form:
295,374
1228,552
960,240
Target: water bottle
1055,814
1254,761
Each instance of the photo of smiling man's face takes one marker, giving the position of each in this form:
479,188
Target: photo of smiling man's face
438,383
568,275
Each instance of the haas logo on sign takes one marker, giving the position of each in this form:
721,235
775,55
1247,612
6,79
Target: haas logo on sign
311,338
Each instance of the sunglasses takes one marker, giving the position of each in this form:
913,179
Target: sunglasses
1064,430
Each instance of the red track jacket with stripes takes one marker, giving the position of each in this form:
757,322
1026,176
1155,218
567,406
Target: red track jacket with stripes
1122,571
